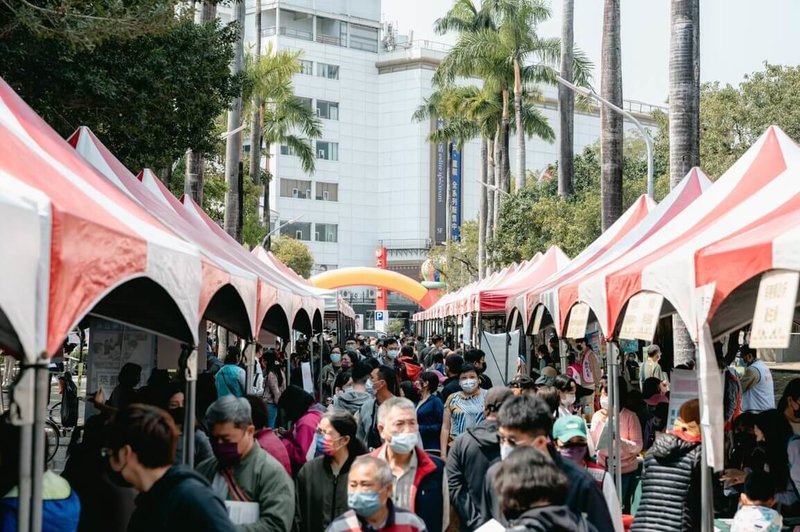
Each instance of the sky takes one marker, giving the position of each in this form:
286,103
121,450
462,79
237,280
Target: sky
736,37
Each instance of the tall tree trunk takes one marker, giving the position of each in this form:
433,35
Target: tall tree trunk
482,211
193,181
233,141
520,171
489,162
611,121
267,178
505,161
684,121
566,103
498,175
255,119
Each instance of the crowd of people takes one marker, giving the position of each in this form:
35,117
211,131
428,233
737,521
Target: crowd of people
407,434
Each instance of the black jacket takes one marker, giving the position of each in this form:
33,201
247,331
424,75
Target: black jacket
670,487
449,387
467,463
551,519
180,500
584,497
321,495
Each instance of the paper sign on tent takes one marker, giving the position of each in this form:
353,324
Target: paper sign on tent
641,317
772,322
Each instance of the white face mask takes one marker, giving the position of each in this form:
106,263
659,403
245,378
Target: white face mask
569,400
505,450
604,401
403,442
469,385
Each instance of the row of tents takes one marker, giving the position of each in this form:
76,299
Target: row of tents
701,253
83,236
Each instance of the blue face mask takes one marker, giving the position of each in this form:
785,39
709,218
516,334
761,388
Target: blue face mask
336,358
370,387
391,354
364,503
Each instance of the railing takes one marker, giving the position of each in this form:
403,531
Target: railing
407,243
288,32
367,46
636,106
330,39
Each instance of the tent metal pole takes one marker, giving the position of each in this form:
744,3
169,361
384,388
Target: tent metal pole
188,423
25,454
37,470
319,376
706,477
614,387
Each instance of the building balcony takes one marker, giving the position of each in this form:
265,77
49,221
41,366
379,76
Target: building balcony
288,32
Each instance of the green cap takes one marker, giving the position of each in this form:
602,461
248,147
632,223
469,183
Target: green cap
568,427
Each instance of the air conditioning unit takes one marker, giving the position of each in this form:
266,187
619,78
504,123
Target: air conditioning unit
295,193
371,293
308,193
298,235
345,293
316,236
321,154
325,195
319,113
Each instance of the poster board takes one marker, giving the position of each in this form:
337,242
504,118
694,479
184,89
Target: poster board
772,321
683,387
641,316
467,329
578,319
498,359
308,383
537,319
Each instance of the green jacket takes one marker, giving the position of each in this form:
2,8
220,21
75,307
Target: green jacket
321,495
265,481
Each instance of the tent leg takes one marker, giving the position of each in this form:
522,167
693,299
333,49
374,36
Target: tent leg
188,423
37,470
614,387
706,481
24,511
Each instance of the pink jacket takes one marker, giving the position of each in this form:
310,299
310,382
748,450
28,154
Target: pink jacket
302,437
272,444
631,438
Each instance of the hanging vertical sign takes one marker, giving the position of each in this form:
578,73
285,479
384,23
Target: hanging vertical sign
641,316
537,319
440,189
578,319
772,322
455,194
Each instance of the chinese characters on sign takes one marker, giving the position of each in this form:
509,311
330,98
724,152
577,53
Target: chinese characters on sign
641,316
455,195
772,322
440,187
578,319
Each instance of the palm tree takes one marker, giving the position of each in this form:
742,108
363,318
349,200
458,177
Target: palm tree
284,119
566,102
684,121
233,195
255,119
611,122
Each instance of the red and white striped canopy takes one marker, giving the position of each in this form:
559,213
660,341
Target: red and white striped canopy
546,292
106,253
765,180
219,267
589,285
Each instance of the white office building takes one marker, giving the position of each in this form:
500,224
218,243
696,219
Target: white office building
376,176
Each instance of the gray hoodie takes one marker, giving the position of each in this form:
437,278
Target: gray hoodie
350,401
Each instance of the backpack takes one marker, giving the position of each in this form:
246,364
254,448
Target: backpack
69,402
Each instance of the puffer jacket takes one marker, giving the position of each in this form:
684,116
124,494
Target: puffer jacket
551,519
670,487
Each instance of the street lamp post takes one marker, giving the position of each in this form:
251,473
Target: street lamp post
590,93
266,242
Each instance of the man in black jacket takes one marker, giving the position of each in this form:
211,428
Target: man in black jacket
141,451
470,457
526,420
452,367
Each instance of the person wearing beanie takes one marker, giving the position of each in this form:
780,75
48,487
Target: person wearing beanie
671,481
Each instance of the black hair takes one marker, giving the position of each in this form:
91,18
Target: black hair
387,374
466,368
454,363
623,391
409,391
474,355
295,402
390,340
437,357
564,383
407,351
527,413
361,372
543,349
129,375
550,396
149,431
232,355
792,390
431,380
528,478
777,432
651,387
258,411
341,379
759,486
272,365
345,424
372,362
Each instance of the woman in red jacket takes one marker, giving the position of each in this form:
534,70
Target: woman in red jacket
300,408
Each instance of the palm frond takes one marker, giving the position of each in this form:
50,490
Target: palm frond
303,149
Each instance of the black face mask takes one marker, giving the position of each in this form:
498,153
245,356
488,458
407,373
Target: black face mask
115,477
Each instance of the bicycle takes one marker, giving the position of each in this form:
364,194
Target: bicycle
54,431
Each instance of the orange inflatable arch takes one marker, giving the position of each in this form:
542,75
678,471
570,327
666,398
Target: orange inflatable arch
363,276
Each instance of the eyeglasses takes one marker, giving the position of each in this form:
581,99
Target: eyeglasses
106,452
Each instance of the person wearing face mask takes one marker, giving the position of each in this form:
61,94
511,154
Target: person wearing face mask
526,421
567,392
241,471
300,408
351,346
430,410
353,397
420,483
789,404
329,373
141,452
369,496
572,441
758,390
274,384
265,436
463,409
322,482
590,374
391,353
382,385
630,436
650,367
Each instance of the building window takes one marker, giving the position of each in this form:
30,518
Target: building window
328,110
324,70
326,233
308,103
288,150
295,188
298,230
328,150
363,38
327,191
306,67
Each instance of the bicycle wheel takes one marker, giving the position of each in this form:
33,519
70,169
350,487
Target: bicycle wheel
53,439
54,413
